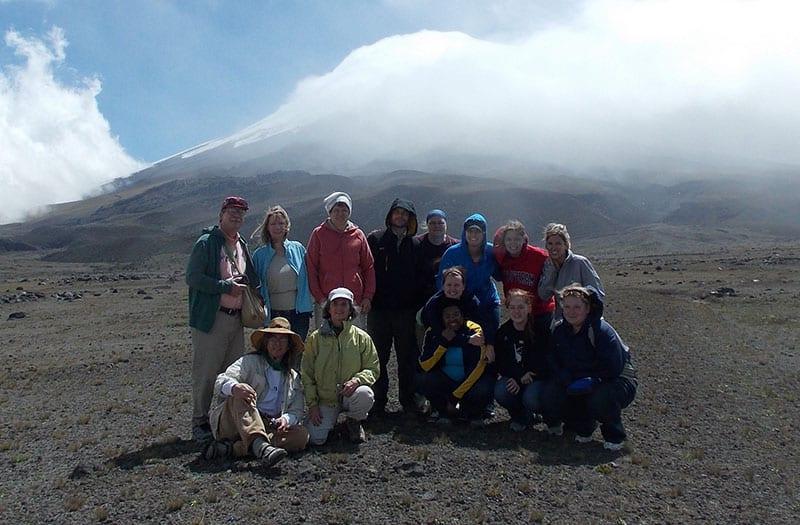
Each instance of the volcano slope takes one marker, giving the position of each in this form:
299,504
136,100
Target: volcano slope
95,410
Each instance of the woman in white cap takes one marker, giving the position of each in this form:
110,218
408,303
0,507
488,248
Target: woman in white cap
339,367
258,404
339,256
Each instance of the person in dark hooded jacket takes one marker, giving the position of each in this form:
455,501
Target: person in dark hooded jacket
392,320
592,377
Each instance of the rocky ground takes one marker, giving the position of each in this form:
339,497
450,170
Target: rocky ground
95,409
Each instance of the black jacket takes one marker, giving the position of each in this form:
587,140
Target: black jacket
397,264
519,352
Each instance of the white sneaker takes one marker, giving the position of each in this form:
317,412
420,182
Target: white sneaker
583,439
556,430
612,446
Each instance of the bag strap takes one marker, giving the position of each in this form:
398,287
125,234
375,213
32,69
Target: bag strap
231,257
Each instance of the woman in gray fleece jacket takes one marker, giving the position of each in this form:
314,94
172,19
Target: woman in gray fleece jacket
563,268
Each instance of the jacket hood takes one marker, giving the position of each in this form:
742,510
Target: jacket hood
475,219
596,305
407,205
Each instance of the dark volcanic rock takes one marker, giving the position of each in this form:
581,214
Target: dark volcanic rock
15,315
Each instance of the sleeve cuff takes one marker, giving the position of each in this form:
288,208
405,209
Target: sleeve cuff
227,386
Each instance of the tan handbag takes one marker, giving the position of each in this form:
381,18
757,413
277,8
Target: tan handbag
253,315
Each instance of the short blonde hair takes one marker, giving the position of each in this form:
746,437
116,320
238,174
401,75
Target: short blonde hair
555,228
263,229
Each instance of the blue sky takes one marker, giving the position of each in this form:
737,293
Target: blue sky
175,74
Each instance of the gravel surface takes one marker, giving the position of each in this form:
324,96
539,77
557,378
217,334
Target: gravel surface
95,407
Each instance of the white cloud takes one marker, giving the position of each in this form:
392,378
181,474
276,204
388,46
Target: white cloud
622,84
55,145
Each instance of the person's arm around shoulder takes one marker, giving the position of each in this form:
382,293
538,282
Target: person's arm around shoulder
547,281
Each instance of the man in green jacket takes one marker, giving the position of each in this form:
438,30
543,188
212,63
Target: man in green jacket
219,271
339,367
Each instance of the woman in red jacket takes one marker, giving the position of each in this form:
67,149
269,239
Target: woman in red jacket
521,267
338,256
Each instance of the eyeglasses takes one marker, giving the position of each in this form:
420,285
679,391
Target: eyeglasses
236,212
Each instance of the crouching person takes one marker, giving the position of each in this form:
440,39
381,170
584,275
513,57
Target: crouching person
258,404
593,378
339,367
455,375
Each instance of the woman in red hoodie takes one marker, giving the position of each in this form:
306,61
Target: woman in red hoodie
521,267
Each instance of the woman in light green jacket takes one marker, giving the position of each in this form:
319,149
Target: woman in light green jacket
339,366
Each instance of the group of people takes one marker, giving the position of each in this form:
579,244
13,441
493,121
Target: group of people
430,297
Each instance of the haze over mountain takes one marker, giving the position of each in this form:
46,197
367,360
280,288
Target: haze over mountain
674,87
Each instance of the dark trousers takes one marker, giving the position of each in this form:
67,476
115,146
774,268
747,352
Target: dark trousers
299,321
438,388
521,405
395,328
582,413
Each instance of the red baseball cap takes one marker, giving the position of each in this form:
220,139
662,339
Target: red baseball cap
234,202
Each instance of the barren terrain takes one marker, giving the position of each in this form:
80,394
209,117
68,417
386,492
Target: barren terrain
95,410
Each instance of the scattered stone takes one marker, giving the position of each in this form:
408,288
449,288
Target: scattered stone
724,291
23,297
68,296
80,471
15,315
147,297
140,292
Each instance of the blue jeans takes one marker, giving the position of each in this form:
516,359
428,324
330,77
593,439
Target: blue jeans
582,413
521,405
438,388
299,321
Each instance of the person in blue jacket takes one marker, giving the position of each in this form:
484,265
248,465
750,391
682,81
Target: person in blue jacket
592,376
455,376
475,255
281,266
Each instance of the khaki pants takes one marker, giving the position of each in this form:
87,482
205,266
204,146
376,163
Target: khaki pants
356,406
241,423
213,353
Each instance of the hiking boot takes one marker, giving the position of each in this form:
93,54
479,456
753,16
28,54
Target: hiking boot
218,450
608,445
421,405
355,431
556,430
271,456
583,439
202,433
516,426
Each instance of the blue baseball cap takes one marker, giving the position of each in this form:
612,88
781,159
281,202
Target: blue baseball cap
435,213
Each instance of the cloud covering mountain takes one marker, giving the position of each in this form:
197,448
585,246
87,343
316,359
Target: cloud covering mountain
55,145
674,85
